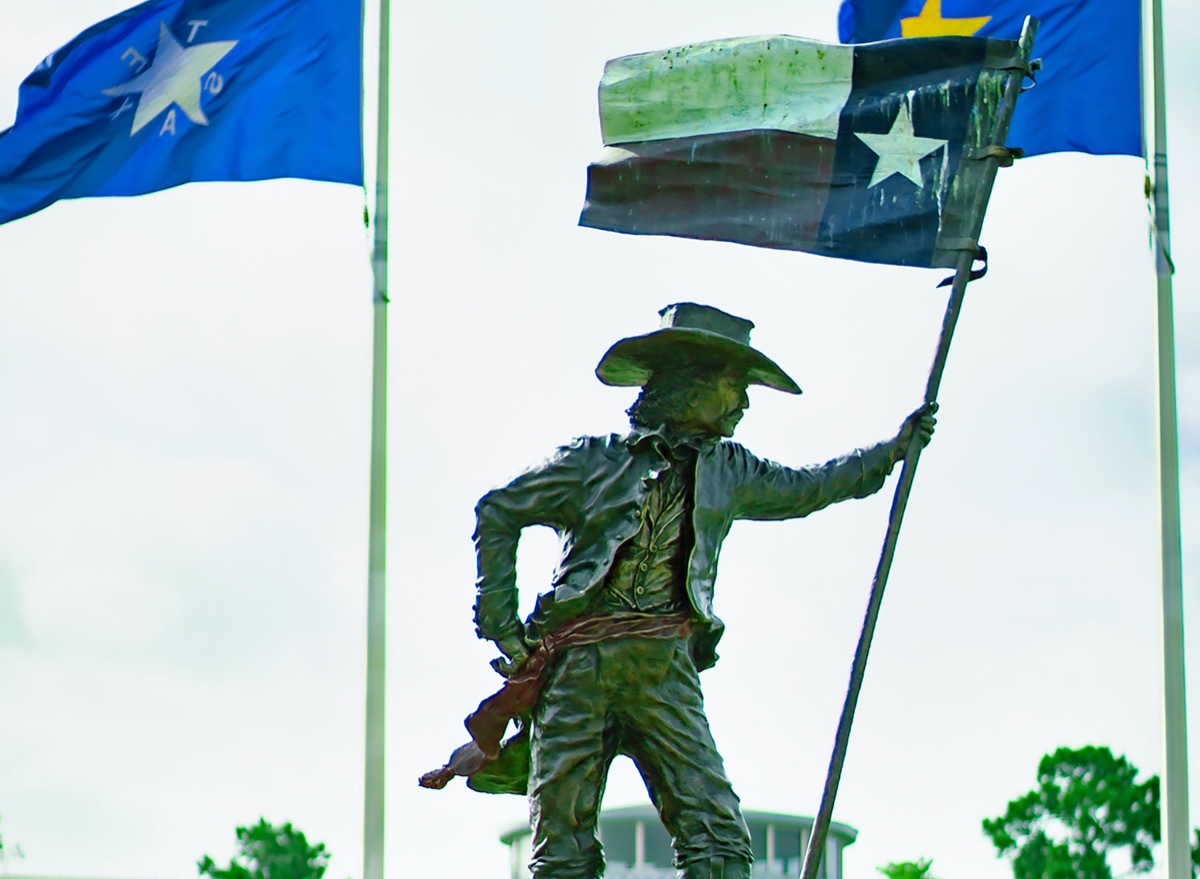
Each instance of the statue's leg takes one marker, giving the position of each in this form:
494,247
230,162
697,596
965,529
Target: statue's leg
716,868
571,748
668,737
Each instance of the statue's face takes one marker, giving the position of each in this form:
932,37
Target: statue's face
717,406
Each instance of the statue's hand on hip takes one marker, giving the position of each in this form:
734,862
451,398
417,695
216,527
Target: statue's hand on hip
516,654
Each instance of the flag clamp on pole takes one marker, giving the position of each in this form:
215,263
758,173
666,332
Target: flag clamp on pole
994,158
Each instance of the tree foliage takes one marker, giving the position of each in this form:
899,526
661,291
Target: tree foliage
267,851
11,853
1087,806
918,869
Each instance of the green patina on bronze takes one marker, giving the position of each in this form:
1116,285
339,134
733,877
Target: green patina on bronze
869,152
780,83
608,662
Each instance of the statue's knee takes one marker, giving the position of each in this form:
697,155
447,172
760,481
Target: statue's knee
592,868
567,855
717,868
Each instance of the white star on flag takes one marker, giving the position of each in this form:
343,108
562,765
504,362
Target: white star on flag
900,151
173,78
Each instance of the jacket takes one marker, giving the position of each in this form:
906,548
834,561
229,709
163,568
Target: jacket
591,493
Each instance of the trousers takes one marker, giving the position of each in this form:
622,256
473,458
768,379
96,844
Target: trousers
638,697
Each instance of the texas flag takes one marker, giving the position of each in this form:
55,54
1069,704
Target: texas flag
870,152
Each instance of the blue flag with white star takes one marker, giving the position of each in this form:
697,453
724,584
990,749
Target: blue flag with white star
1088,96
177,91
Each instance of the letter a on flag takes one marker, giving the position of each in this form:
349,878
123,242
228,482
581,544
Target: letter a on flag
868,152
176,91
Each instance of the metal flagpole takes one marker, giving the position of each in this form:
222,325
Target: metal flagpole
373,786
1175,829
962,275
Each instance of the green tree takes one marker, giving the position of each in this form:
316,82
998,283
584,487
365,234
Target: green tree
1087,805
918,869
267,851
9,854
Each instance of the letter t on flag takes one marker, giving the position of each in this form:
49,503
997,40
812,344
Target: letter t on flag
178,91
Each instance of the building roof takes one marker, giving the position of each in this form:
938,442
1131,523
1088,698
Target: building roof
844,832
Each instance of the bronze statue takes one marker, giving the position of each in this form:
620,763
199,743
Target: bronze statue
608,662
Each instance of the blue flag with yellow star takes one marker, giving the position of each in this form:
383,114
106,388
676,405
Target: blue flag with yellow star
1088,96
176,91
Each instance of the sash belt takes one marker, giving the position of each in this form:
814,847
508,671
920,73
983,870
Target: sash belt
520,692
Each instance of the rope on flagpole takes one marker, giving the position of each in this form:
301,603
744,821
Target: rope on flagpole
962,276
374,766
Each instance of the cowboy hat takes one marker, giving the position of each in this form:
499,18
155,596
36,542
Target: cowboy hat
697,333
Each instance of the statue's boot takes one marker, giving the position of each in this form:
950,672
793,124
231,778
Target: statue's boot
717,868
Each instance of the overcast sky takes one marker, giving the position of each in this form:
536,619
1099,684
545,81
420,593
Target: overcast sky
184,402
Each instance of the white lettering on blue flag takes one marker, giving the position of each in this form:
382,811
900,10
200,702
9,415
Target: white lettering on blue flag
196,25
135,58
213,90
128,104
173,79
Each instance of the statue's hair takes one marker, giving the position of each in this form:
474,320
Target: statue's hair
671,392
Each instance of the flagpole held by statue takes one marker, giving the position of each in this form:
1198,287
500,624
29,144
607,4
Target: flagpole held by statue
883,153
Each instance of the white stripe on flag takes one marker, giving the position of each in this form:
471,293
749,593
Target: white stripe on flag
742,84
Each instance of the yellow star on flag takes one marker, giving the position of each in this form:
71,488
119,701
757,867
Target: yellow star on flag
931,24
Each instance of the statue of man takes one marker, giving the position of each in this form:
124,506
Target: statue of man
608,662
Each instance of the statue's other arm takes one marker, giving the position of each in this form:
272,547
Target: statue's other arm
543,495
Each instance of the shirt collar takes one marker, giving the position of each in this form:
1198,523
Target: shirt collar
641,438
